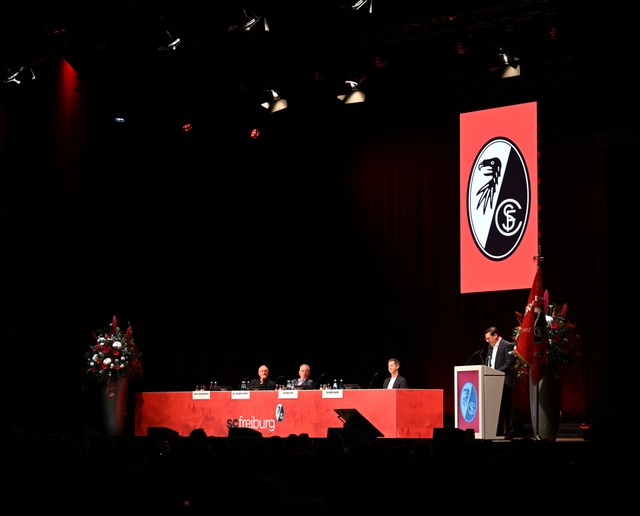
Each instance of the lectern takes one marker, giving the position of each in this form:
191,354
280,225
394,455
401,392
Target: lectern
478,392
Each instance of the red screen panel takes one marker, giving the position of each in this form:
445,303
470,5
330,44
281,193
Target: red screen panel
498,198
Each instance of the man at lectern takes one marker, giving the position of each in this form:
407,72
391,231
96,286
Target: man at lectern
500,357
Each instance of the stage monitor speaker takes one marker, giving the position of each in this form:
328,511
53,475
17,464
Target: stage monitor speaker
162,433
453,435
347,434
243,432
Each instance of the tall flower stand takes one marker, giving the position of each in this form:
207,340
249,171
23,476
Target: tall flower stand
114,406
545,399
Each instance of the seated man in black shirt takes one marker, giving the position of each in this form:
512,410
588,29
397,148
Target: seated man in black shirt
262,382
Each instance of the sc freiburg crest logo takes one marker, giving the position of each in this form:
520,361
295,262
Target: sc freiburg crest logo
498,199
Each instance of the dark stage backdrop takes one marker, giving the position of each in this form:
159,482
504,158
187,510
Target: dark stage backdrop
332,241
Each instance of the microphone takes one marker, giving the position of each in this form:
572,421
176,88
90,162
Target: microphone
372,378
479,352
320,378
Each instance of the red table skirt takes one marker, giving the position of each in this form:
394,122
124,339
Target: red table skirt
396,413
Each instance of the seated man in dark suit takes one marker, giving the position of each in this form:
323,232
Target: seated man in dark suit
304,382
262,382
396,380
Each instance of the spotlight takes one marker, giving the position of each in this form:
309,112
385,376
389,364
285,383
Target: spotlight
510,64
353,95
23,73
277,103
380,62
172,43
251,21
120,111
167,36
461,47
356,5
186,120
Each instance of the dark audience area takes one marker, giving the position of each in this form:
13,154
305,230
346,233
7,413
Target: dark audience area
344,473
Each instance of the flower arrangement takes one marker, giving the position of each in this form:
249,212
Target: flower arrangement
564,341
114,355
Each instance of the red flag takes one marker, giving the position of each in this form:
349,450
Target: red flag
532,342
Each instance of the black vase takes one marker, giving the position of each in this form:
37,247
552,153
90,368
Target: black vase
546,400
114,406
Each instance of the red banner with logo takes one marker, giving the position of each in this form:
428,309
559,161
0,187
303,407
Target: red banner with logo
498,198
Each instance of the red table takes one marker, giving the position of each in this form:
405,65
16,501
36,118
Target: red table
405,413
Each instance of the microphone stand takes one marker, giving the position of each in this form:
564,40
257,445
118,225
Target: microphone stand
320,378
372,378
478,352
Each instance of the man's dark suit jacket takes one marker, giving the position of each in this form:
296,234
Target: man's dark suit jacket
400,383
268,385
308,383
504,361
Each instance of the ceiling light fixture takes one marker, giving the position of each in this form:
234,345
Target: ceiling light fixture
24,73
275,104
510,64
173,42
353,95
251,21
356,5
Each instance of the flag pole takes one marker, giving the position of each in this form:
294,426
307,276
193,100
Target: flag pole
535,410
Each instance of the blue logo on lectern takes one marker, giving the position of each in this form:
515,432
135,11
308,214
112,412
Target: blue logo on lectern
468,402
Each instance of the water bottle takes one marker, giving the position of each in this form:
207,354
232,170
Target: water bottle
211,387
335,384
340,385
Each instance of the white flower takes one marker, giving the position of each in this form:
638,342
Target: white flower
117,344
106,361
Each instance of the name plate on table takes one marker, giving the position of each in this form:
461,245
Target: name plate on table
332,393
287,394
201,395
240,395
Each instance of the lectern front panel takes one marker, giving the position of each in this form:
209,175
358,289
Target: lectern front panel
478,391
